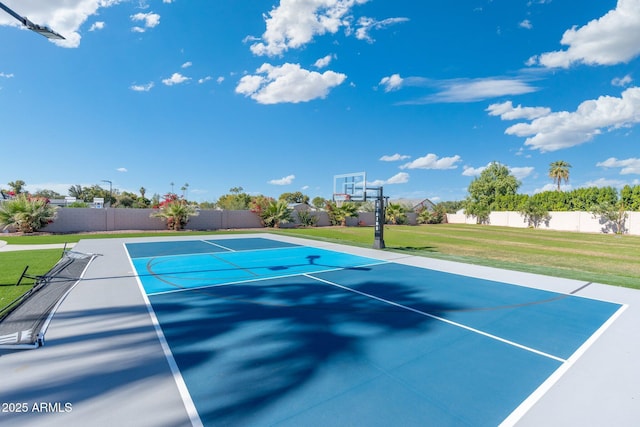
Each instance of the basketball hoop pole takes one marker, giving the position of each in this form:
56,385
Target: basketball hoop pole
378,241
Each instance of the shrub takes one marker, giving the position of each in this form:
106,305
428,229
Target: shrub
26,214
175,212
437,216
276,213
307,219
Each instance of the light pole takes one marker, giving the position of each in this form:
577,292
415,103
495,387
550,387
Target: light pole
40,29
110,189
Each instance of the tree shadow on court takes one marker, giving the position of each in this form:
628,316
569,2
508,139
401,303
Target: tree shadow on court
243,349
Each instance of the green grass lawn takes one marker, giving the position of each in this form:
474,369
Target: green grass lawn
601,258
13,264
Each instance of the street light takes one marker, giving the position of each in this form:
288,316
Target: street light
110,189
40,29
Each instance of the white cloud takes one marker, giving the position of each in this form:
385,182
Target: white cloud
220,79
399,178
469,90
628,166
150,20
176,78
292,24
507,111
471,171
609,40
391,83
365,25
287,83
518,172
323,62
122,170
622,81
526,24
142,88
552,187
99,25
6,76
431,161
186,64
63,16
394,158
204,79
521,172
565,129
283,181
603,182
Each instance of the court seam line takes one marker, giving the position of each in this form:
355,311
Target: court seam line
441,319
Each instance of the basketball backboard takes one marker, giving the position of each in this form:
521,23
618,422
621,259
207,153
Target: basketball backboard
350,187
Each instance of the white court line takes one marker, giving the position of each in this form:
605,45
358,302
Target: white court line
442,319
208,242
189,406
534,397
259,279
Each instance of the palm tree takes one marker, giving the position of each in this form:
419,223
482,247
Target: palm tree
17,186
559,171
26,214
143,191
176,213
347,210
395,213
276,213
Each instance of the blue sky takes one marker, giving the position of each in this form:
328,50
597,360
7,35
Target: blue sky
280,96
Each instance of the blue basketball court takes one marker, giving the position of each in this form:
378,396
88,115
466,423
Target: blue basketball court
262,332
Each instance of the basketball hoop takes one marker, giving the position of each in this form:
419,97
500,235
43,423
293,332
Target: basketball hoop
340,198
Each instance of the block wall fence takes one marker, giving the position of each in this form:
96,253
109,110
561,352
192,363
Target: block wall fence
76,220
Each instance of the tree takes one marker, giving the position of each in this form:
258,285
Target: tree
26,214
319,202
185,190
339,214
276,213
47,194
17,186
534,212
494,181
612,215
76,191
559,171
296,197
236,201
395,214
175,212
436,216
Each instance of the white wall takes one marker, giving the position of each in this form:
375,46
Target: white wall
583,222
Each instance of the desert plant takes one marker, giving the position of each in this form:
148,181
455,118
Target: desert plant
338,214
395,214
307,219
176,213
437,216
276,213
26,214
